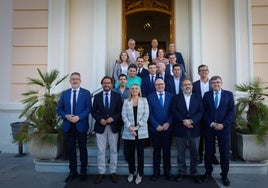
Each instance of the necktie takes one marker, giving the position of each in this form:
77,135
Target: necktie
161,99
139,71
74,101
152,80
106,101
216,100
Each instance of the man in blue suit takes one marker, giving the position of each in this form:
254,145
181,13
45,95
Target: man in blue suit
106,111
147,86
173,84
141,71
74,107
200,87
160,120
187,110
219,114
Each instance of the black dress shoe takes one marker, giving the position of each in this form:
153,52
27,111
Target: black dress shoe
215,160
71,177
154,177
99,179
83,177
114,178
197,179
179,178
225,181
206,177
168,176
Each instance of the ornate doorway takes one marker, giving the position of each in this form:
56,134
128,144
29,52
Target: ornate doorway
144,20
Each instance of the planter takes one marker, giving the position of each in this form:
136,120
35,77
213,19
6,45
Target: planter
249,149
44,150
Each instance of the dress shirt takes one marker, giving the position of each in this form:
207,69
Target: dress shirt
177,85
153,53
187,101
204,87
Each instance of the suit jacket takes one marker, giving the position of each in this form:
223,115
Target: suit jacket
142,118
83,109
170,85
150,55
143,73
100,112
131,58
179,60
197,88
224,114
180,112
158,114
146,86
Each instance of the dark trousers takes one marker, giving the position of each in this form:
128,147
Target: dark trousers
161,141
223,142
133,145
73,136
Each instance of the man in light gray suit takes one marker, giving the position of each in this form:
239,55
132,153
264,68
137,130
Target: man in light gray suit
132,53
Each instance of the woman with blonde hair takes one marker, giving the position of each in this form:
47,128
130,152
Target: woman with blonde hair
135,113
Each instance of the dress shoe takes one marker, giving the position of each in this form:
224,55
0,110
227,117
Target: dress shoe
71,177
225,181
130,178
154,177
99,179
206,177
179,178
215,160
114,178
83,177
168,176
197,179
138,179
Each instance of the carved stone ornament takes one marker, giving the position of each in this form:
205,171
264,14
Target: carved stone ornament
134,5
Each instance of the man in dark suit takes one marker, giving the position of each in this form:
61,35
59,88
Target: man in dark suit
74,107
179,58
106,111
147,86
219,114
187,110
160,120
173,84
141,71
153,50
200,87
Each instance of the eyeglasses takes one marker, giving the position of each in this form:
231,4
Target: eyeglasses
218,82
160,84
204,70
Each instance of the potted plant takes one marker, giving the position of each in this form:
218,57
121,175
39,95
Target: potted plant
252,122
42,124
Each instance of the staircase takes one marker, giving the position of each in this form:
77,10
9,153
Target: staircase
62,166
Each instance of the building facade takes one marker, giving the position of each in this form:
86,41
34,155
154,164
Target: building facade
230,36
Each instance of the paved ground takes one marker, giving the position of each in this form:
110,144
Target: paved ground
19,172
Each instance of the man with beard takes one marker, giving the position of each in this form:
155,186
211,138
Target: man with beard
187,110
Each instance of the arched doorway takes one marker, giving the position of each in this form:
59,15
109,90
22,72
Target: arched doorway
144,20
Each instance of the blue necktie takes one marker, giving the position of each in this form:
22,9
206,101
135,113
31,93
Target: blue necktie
74,101
152,81
216,100
106,101
161,99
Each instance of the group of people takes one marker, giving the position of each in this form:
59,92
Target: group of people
156,102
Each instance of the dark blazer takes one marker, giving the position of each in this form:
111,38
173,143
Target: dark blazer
197,88
83,109
150,55
223,114
170,85
146,87
179,60
159,115
180,112
99,112
143,73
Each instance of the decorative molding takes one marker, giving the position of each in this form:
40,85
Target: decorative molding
140,5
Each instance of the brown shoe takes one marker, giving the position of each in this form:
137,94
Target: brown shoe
99,179
114,178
